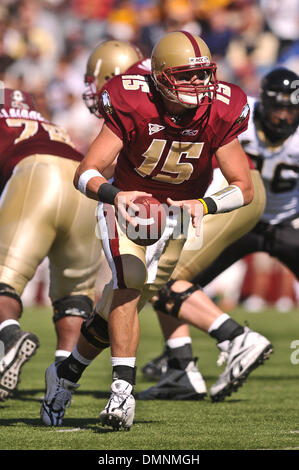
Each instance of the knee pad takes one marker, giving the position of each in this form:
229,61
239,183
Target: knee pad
72,306
170,302
95,331
8,291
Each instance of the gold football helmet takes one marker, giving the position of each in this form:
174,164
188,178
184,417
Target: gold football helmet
108,59
183,70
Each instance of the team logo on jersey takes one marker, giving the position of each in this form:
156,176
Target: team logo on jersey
106,102
18,100
243,114
189,132
153,128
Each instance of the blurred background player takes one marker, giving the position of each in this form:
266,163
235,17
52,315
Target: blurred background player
219,231
108,59
41,215
181,97
272,141
267,283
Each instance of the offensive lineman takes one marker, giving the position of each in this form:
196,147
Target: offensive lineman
272,141
41,215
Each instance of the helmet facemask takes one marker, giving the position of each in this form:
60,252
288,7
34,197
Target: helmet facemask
278,107
91,97
188,85
279,115
183,71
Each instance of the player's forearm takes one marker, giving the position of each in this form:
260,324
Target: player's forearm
92,171
234,165
89,181
227,199
94,185
247,189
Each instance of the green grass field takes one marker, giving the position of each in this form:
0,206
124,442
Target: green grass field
263,414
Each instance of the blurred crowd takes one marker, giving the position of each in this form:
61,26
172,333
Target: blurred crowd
45,44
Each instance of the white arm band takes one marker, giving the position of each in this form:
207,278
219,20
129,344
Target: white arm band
85,177
225,200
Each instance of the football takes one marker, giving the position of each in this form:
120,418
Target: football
151,221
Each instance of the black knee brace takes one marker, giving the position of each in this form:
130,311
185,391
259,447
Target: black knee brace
170,302
95,331
72,306
8,291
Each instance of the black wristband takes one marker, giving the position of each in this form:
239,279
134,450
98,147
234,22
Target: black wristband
107,193
211,205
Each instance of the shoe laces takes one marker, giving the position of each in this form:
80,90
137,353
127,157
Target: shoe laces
118,398
222,358
121,390
224,348
63,396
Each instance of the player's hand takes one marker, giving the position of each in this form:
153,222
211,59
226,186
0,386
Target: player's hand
124,200
194,208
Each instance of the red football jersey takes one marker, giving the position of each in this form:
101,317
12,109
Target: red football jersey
165,155
23,132
143,67
250,163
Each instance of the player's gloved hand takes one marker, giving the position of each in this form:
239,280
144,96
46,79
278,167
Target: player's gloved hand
194,208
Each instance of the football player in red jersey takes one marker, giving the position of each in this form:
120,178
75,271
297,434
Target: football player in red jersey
42,215
165,129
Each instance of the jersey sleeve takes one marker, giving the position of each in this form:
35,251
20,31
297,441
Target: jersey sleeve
116,110
236,120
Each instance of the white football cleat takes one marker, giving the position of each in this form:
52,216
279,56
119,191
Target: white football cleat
120,409
21,351
58,397
242,355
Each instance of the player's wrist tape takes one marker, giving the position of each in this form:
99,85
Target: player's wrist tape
107,193
225,200
85,177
